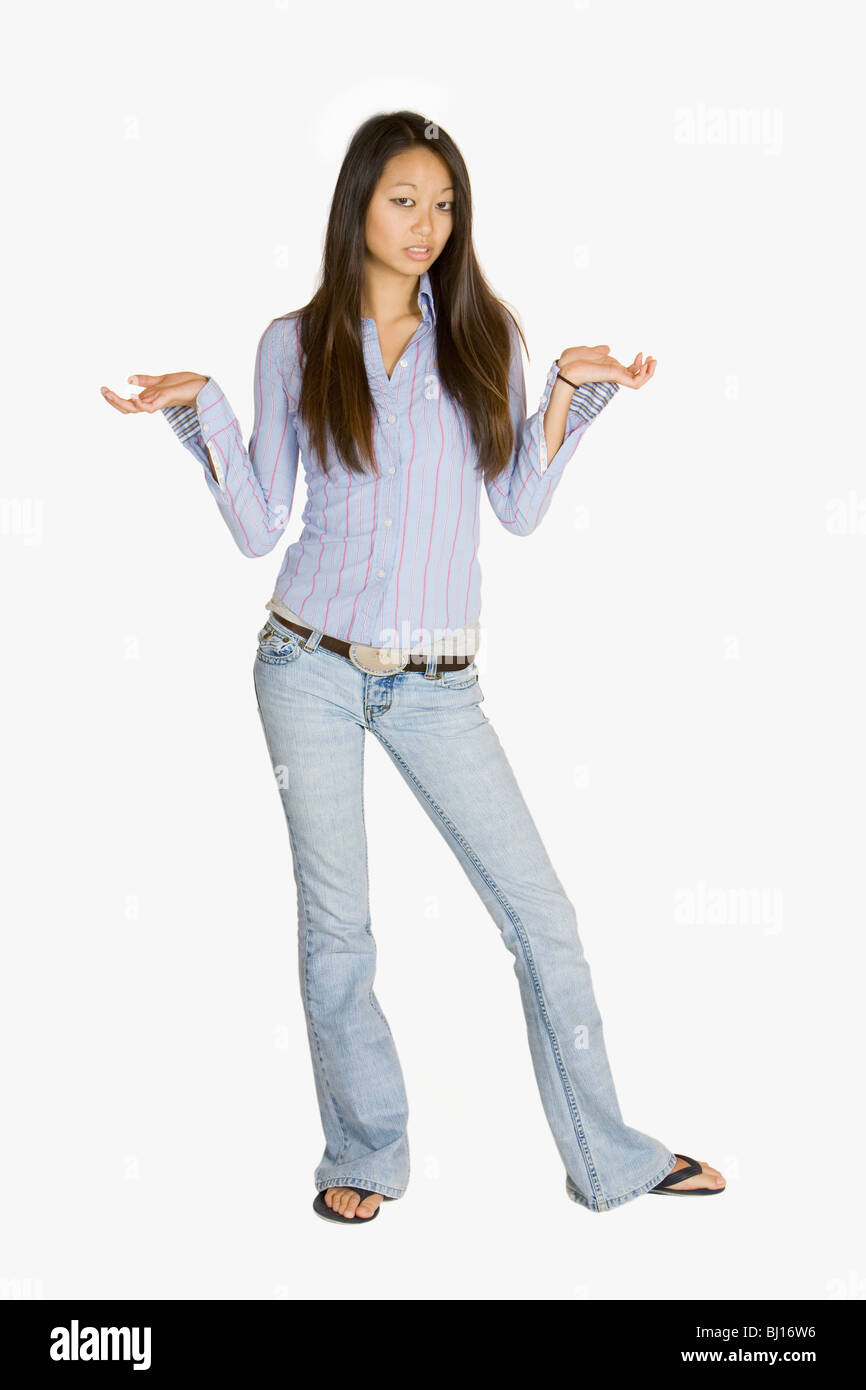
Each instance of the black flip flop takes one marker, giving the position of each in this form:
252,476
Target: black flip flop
321,1208
666,1189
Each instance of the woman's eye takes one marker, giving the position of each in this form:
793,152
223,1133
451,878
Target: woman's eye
401,201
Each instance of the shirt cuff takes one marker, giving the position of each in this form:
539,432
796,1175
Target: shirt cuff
183,420
210,414
591,397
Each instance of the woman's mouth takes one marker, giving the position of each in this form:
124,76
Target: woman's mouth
418,253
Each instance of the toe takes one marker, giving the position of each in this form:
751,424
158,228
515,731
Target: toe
710,1176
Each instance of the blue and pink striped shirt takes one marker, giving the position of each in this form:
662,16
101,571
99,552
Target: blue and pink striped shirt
390,560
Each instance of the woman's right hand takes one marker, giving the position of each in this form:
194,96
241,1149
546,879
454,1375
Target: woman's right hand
175,388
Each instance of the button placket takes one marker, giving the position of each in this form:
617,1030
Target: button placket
388,507
386,522
388,392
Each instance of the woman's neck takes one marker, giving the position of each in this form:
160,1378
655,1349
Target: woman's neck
384,298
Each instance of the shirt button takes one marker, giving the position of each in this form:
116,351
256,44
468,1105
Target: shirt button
387,521
402,361
390,470
381,574
391,419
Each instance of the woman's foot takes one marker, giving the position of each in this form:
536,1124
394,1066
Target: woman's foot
346,1201
708,1177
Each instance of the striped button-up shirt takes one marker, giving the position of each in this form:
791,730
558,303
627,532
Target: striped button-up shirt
390,560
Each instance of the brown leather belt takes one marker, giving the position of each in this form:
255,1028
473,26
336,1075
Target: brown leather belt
379,661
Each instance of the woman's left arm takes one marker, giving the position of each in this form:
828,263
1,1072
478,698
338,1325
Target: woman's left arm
544,443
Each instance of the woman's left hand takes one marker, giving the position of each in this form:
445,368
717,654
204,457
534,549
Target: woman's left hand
582,364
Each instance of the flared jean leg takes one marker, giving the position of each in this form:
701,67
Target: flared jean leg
449,754
316,747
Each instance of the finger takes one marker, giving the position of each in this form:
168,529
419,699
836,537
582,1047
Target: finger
632,376
131,404
126,407
140,380
645,373
148,400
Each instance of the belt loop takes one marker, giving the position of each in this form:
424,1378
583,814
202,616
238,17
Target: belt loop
311,642
432,663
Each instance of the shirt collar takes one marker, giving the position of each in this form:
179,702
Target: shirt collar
425,297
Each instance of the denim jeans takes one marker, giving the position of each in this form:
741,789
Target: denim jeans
316,709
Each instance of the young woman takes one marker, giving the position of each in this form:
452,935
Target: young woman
401,386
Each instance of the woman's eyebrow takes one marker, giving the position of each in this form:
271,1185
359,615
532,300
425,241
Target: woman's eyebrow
404,183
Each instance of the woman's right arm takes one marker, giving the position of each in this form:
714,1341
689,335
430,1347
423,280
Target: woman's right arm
252,486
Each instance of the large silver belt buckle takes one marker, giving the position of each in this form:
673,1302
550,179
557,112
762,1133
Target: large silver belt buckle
376,661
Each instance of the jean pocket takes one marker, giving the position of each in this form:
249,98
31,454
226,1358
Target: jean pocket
276,646
460,680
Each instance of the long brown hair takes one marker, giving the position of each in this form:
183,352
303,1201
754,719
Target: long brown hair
473,342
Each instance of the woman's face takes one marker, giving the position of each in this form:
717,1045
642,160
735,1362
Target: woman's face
411,206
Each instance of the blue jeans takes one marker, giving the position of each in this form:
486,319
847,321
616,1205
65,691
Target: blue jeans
316,710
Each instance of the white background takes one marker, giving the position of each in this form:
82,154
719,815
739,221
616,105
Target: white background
683,708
